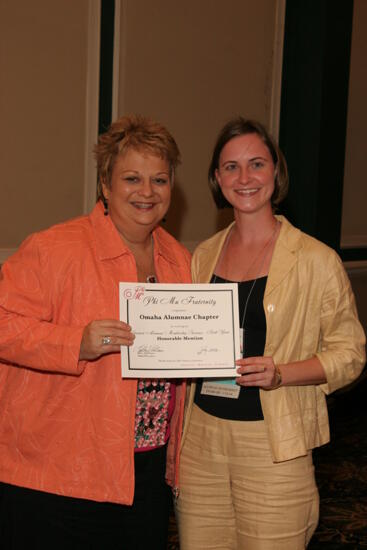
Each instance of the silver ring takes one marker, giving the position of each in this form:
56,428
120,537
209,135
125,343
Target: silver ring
106,340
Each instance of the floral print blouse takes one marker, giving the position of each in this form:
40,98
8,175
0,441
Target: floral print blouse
154,406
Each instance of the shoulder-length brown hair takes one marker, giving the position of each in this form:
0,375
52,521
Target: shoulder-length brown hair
240,126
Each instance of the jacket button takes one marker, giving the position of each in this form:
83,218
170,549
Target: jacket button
270,308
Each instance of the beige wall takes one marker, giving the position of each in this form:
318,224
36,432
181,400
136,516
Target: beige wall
192,65
189,64
43,71
354,226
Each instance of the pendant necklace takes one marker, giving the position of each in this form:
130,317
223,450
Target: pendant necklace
227,387
265,250
152,278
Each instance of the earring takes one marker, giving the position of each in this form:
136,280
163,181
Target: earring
105,204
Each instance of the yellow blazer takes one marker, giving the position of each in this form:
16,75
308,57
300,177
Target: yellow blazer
310,310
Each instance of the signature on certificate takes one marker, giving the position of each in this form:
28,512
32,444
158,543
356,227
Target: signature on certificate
149,351
204,351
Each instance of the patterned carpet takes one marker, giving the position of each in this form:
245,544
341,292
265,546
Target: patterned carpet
341,472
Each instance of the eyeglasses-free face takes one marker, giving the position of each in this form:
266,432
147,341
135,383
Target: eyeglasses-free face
139,194
246,173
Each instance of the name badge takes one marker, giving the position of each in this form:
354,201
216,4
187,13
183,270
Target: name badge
221,388
224,387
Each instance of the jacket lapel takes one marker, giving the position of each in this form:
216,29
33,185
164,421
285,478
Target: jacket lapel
285,255
206,256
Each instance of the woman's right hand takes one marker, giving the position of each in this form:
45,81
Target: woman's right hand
104,336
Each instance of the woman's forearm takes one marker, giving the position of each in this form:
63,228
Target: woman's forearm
302,373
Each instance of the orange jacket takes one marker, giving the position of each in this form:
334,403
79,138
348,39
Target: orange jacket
67,426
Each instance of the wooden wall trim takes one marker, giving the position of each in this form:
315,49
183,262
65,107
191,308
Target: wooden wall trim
91,107
116,61
276,90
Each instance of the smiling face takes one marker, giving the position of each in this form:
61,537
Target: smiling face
246,174
139,193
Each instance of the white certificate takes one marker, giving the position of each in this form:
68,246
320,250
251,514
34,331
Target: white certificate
181,330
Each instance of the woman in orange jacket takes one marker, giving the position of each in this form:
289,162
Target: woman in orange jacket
83,452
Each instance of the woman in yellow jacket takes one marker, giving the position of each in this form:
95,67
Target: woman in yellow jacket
246,475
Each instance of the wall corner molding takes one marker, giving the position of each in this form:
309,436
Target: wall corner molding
276,90
91,104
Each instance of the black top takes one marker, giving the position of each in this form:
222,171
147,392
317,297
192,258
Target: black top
247,406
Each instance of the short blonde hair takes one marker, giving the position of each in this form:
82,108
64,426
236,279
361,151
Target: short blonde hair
133,132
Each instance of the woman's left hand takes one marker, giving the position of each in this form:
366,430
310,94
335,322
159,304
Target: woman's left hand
257,371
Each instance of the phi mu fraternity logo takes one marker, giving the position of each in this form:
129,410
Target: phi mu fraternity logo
133,293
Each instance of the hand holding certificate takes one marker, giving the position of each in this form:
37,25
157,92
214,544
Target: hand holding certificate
181,330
